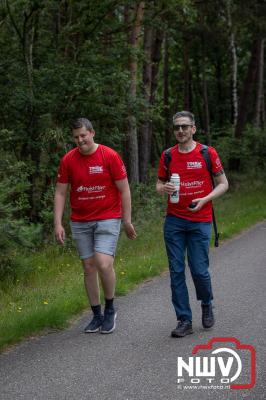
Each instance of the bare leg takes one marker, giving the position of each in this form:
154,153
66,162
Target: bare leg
104,264
91,281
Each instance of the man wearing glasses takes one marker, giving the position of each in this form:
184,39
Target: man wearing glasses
187,227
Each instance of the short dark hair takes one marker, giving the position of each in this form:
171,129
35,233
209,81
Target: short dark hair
82,122
186,114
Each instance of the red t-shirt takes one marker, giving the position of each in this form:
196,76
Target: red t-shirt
93,194
195,181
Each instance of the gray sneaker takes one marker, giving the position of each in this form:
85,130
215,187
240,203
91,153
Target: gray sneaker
183,328
207,316
108,325
95,324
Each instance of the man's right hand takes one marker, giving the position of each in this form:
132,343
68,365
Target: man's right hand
165,187
60,234
168,188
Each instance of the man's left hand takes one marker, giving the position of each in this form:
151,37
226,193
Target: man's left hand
199,203
130,230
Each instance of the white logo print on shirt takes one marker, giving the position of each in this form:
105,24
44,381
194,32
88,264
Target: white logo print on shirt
194,164
193,184
91,189
97,169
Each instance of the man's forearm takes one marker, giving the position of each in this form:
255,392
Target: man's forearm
126,206
218,191
59,205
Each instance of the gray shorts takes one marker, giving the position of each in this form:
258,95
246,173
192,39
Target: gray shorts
96,236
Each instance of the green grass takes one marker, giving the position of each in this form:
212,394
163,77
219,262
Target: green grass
241,207
48,289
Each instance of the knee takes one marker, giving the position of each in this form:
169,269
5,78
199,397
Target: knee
177,277
177,267
175,274
105,267
204,275
104,263
89,267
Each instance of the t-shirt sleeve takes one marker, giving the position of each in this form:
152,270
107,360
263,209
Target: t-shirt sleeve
117,167
215,161
62,174
162,174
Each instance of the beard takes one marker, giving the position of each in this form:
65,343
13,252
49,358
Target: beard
183,139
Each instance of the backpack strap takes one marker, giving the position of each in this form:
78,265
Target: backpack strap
205,153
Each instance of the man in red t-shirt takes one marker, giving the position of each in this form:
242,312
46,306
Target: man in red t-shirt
99,198
187,227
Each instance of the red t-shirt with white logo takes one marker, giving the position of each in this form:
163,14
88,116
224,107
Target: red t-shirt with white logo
93,193
195,181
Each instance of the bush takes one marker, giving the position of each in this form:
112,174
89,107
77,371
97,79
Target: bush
15,231
249,151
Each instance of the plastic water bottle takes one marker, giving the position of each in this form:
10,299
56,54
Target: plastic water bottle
175,179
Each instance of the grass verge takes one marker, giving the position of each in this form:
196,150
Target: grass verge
48,288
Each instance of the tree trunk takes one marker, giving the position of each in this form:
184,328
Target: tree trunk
232,46
156,57
167,116
144,131
153,42
219,84
245,103
187,76
234,80
133,41
258,120
206,114
262,110
245,100
198,91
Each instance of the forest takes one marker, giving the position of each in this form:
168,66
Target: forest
128,66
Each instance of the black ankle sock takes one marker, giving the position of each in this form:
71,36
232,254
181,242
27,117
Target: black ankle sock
96,309
109,304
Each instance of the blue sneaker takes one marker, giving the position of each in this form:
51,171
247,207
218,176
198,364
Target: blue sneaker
95,324
108,325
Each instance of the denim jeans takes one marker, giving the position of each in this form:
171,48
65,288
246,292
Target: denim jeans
183,236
